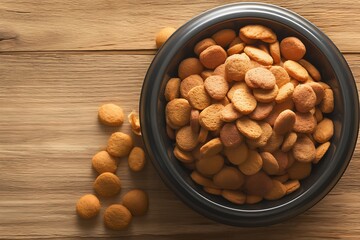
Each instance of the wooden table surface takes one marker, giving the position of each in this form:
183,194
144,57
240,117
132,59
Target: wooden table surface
61,59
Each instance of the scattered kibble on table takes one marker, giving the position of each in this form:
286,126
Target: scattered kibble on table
108,184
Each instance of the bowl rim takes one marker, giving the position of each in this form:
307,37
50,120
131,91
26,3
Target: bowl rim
149,107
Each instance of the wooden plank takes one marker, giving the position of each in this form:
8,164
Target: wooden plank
49,132
123,25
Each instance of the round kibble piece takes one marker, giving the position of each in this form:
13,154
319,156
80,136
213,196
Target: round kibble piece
258,184
172,89
327,104
183,156
212,147
178,112
203,134
88,206
318,90
107,184
304,122
163,35
292,186
237,155
203,44
314,73
320,151
248,128
304,149
234,42
252,199
261,111
194,120
324,131
236,67
258,55
292,48
244,101
304,98
216,86
224,37
289,142
111,115
274,49
210,165
234,196
137,159
189,83
119,144
282,159
189,66
253,163
299,170
295,70
199,98
207,73
104,162
260,78
285,92
318,115
136,201
281,75
236,49
281,178
201,180
229,178
220,71
259,32
266,95
285,122
213,191
270,165
229,113
264,137
277,191
210,117
117,217
186,139
230,136
213,56
273,143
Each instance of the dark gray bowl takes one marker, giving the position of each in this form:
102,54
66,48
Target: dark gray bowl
334,71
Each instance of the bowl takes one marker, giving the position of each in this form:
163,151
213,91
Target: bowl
325,56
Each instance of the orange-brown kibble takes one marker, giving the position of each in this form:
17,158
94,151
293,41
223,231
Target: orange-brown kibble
163,35
88,206
137,159
111,115
136,201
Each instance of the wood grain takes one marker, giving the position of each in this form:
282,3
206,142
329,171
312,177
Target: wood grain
123,25
49,132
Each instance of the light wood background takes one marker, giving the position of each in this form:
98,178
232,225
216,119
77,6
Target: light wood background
61,59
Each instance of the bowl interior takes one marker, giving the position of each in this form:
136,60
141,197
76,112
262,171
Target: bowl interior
313,54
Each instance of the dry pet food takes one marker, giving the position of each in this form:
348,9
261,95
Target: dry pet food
248,113
107,184
111,115
117,217
137,201
88,206
104,162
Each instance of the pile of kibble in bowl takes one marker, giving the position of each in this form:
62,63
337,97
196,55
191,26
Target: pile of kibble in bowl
248,114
